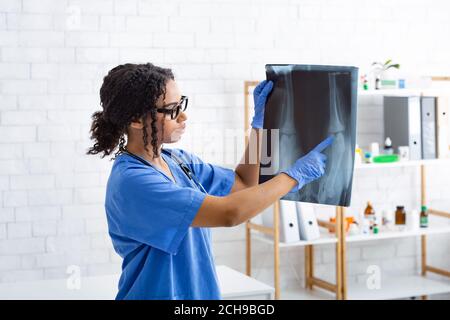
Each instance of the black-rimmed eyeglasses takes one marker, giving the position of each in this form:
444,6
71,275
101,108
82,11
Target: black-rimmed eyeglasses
175,108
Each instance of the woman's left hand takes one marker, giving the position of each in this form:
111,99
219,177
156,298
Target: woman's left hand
260,94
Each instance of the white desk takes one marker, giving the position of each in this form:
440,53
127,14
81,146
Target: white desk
233,284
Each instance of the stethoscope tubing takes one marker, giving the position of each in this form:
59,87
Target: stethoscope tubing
188,172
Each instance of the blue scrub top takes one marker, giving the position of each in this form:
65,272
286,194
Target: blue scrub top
149,221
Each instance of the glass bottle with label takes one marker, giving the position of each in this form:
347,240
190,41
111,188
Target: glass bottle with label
424,217
400,216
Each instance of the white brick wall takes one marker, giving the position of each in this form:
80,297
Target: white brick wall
54,53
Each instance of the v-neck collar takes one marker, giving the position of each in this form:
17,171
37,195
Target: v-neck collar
170,169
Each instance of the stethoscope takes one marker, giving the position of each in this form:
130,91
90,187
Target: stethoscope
187,171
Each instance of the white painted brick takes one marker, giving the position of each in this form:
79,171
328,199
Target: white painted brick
50,260
8,38
231,71
2,21
189,24
9,262
102,269
112,23
44,71
81,101
61,55
23,117
11,151
77,180
88,257
210,40
378,252
43,102
2,236
22,246
142,55
114,257
4,182
231,25
8,102
70,227
40,214
67,243
154,24
69,117
44,228
36,150
83,211
7,214
15,198
94,6
99,241
52,165
14,71
72,21
186,71
65,148
49,197
41,38
89,195
86,39
96,226
45,6
249,40
122,39
28,262
97,55
21,275
11,6
11,167
29,21
58,133
23,87
153,8
19,230
125,7
70,86
29,182
24,54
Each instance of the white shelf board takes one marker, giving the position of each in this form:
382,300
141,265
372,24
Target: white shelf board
432,91
325,238
391,92
388,234
398,288
397,164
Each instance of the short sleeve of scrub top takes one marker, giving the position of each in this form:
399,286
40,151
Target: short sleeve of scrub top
149,220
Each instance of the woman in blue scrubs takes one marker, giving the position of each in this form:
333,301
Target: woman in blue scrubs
161,202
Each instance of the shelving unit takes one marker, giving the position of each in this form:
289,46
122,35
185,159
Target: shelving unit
403,287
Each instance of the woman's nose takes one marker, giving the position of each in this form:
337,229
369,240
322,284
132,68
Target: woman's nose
182,117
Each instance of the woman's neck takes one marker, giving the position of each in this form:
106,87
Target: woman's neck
146,154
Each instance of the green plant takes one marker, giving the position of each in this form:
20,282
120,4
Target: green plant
380,67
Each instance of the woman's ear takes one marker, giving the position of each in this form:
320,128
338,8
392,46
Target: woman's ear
137,124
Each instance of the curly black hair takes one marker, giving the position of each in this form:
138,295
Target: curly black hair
129,92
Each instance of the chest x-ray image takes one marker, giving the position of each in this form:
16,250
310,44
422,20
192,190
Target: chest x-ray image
307,104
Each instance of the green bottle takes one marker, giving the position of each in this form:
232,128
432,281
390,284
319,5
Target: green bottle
424,217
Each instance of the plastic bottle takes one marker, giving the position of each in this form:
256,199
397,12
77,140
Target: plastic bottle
388,146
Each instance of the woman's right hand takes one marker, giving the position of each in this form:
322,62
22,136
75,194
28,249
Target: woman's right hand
309,167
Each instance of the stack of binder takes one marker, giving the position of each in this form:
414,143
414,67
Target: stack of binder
297,221
421,123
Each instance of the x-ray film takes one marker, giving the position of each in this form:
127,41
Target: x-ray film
307,104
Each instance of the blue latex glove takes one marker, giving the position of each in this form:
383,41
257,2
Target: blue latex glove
260,94
309,167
